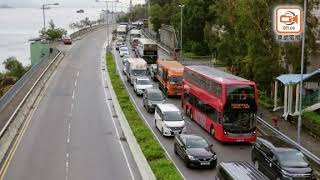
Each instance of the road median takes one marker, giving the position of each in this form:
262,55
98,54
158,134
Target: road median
162,167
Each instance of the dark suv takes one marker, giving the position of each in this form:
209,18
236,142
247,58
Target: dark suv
279,160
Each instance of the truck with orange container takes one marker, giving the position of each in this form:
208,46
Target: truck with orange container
170,75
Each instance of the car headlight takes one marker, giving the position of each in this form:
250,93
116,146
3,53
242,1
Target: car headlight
191,157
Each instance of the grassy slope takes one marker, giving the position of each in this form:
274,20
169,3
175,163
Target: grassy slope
161,166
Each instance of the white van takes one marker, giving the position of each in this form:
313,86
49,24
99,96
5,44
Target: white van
169,120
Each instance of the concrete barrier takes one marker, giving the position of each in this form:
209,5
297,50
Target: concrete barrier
13,125
142,163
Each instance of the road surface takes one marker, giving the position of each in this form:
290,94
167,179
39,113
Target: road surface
71,134
225,152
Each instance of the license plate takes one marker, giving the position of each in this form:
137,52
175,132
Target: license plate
176,132
240,140
204,163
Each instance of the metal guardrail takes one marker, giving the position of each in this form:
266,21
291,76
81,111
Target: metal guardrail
26,96
306,152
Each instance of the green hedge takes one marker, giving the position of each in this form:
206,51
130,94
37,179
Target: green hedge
155,155
311,123
265,101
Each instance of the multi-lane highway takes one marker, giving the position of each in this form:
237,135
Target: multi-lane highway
71,134
225,152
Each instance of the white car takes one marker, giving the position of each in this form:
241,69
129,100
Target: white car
124,51
169,120
118,44
124,69
125,59
152,70
141,83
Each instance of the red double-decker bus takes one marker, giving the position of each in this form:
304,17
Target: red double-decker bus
223,104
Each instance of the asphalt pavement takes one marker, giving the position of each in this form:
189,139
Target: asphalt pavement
225,152
71,134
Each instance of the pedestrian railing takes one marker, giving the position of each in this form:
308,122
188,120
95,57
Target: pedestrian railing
314,160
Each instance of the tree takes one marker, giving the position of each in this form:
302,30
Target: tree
56,34
51,24
14,67
86,22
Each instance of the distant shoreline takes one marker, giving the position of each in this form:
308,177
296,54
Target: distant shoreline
4,6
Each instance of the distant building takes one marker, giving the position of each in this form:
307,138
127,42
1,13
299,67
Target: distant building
39,48
112,17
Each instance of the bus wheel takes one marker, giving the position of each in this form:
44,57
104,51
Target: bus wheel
212,131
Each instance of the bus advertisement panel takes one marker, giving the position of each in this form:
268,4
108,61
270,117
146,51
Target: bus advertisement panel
223,104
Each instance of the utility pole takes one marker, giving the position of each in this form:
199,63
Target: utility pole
181,49
107,17
149,15
130,11
301,70
44,6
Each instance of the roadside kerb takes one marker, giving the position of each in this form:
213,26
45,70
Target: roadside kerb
11,128
142,163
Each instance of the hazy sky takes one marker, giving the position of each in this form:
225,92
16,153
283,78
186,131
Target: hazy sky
64,3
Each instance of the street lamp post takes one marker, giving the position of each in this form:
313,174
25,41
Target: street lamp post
115,1
181,49
301,70
44,6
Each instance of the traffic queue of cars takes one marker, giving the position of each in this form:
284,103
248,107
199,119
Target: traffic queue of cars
271,157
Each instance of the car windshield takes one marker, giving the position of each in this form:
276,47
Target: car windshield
175,80
156,96
139,72
238,122
144,82
196,143
172,116
292,158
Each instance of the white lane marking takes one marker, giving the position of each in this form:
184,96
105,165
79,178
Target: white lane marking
114,124
73,94
145,119
75,83
69,133
78,73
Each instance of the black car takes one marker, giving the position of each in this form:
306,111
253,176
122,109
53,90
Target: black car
195,151
279,160
152,97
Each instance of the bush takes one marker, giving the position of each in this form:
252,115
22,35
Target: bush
155,155
14,67
265,101
311,123
55,34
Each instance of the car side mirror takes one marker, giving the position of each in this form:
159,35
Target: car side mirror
210,145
